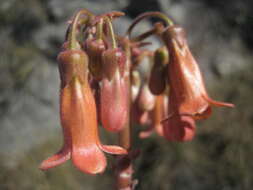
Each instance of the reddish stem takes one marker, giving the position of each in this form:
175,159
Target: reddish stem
123,166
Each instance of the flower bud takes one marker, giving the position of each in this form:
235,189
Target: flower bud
157,80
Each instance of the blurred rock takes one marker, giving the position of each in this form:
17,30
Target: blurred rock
32,116
49,39
63,10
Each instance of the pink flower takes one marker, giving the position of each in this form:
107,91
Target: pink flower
114,91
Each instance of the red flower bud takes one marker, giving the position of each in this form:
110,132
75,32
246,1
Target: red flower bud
78,118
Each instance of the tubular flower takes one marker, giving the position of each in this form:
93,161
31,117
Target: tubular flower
185,79
114,91
78,118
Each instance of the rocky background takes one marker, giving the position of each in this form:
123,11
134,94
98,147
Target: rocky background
220,157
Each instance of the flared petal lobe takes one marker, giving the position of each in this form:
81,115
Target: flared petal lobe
179,128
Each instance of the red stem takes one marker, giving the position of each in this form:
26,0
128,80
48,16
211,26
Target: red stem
123,165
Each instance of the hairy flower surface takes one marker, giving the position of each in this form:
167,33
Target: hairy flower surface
78,118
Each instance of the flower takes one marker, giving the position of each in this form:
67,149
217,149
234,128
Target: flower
114,91
78,118
185,79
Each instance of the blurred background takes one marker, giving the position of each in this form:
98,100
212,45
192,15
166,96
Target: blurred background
219,158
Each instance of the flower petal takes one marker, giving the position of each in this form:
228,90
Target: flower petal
89,159
55,160
113,149
217,103
179,128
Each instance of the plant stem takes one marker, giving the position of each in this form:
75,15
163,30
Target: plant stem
111,31
123,166
73,43
160,15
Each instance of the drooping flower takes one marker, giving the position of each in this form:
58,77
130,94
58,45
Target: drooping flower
185,79
114,91
78,118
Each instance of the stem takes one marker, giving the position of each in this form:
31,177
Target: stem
73,44
144,35
99,34
111,31
146,15
123,166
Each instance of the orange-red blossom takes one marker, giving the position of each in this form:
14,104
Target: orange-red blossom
188,99
79,118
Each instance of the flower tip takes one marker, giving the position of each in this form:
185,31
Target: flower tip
90,161
179,128
54,160
112,149
145,134
219,104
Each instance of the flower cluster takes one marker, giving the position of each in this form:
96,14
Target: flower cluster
102,84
